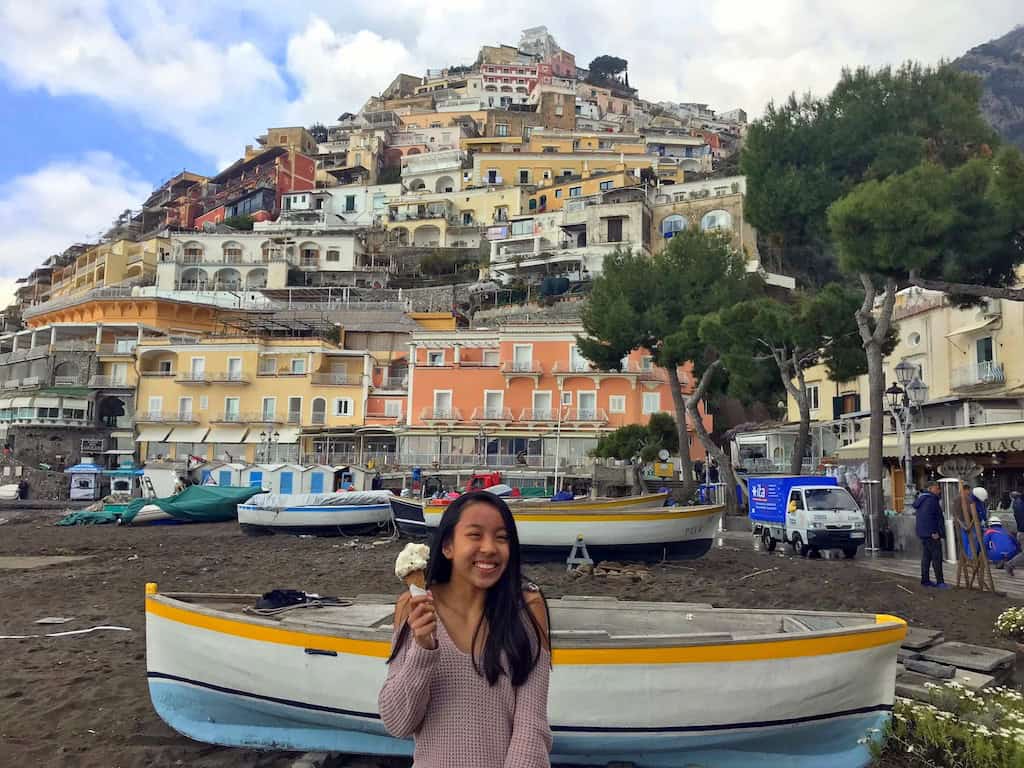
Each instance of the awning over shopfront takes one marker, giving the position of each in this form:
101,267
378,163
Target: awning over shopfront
187,434
228,434
978,326
951,441
286,436
154,434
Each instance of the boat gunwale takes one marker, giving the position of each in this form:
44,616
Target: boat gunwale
881,623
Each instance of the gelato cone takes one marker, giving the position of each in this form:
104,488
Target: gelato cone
411,567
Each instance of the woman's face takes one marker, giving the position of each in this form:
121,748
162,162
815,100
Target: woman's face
479,546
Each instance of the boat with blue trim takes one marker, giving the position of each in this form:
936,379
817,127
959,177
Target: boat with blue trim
651,684
321,514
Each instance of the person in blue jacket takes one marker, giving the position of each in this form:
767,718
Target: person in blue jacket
1000,546
931,530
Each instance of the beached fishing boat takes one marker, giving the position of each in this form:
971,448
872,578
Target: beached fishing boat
630,527
321,514
650,684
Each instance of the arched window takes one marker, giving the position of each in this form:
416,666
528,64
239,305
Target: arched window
319,412
193,252
716,220
672,224
309,255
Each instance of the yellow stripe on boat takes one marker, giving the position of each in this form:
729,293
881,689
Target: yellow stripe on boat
869,637
538,517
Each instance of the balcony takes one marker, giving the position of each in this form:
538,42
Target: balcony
440,415
231,377
30,381
528,369
586,416
492,414
106,382
339,459
73,346
36,353
378,410
159,374
336,380
66,381
161,417
194,377
12,383
393,384
247,417
121,349
543,415
987,374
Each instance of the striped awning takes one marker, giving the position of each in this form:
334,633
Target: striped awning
152,434
231,433
187,434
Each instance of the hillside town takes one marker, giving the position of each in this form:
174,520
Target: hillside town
397,288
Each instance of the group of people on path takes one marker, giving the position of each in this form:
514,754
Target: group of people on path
1002,548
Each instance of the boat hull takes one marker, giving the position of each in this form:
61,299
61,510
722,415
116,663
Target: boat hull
641,532
318,520
408,516
803,702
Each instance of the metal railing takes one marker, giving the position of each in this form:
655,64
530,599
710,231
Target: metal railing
573,366
441,414
396,384
544,414
492,414
109,381
294,417
163,417
30,381
376,411
332,459
188,377
119,349
587,415
979,374
521,366
336,380
67,381
247,417
770,466
230,377
159,374
12,383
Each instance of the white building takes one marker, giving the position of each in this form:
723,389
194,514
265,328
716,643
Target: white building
434,171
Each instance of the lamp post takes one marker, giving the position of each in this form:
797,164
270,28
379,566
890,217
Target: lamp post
904,397
482,437
267,440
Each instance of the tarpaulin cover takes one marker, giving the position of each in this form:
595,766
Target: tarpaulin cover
198,503
349,499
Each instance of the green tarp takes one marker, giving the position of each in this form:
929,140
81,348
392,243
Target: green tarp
198,503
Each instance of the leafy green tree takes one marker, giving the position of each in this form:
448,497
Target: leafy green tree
804,156
607,67
239,222
657,304
791,337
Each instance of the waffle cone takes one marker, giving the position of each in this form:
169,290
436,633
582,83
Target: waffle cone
416,579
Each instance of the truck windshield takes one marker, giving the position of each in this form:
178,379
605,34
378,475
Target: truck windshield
829,499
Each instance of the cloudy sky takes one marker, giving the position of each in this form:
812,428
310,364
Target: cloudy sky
104,100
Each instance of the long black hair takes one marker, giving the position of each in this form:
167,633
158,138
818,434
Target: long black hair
508,647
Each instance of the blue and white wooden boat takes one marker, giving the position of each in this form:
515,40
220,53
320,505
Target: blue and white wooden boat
321,514
650,684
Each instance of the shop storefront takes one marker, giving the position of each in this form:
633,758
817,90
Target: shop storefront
998,449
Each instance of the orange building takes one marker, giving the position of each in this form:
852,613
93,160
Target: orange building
521,397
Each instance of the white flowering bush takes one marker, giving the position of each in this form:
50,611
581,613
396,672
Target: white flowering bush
958,728
1010,623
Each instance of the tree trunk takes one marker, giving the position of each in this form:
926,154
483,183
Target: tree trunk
789,369
728,476
679,406
873,339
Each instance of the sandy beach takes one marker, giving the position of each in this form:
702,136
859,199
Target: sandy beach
82,700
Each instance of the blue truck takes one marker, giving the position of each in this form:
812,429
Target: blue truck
808,513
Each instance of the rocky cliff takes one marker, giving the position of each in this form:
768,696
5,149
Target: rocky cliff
1000,65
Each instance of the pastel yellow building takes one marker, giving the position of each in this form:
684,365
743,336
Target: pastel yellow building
246,398
553,196
566,142
545,168
108,264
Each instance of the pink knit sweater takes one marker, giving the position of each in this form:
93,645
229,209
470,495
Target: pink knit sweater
457,718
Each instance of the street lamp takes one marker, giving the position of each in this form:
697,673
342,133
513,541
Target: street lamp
903,401
482,437
268,440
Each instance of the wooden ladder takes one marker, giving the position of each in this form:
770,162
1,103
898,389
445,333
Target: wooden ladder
971,572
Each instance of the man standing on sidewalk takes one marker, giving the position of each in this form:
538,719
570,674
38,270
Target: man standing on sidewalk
931,529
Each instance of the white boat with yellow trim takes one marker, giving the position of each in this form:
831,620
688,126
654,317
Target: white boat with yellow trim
651,684
632,527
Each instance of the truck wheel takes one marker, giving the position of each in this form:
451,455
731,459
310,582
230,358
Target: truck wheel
798,545
767,542
850,552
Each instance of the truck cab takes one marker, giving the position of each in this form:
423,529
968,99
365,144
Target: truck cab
808,513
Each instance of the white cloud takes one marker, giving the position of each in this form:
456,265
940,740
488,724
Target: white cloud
44,212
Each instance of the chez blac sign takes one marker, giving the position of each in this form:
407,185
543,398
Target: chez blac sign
951,447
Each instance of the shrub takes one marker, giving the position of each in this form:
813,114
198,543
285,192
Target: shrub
1010,623
957,728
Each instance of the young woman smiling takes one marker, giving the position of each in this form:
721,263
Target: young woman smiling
471,684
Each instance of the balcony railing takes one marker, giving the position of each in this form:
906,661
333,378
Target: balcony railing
587,415
294,417
336,380
248,417
121,349
66,381
231,377
194,377
980,374
113,382
492,414
73,346
30,381
12,383
544,414
159,374
521,366
573,366
331,459
441,414
398,384
163,417
378,411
